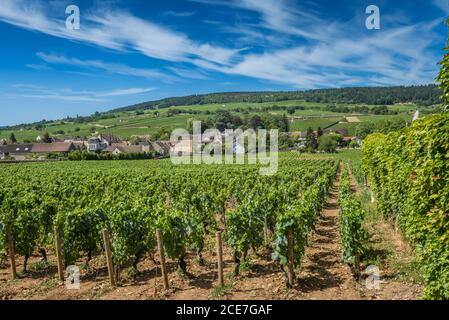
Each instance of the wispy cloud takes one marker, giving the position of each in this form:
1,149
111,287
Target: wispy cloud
39,67
151,39
189,73
124,92
105,66
442,4
66,94
283,16
172,13
315,53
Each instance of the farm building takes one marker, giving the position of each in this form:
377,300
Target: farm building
120,148
56,147
16,151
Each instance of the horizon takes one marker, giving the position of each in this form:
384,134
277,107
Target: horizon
195,47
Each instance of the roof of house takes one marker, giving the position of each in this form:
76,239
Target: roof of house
16,148
124,148
164,145
110,139
52,147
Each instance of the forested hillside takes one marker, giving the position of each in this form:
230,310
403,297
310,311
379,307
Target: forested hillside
423,95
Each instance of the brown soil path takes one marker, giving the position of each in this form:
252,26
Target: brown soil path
324,276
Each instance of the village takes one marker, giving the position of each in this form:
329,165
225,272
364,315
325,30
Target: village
108,144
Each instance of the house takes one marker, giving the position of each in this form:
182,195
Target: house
62,148
162,147
120,148
96,144
146,146
100,143
16,151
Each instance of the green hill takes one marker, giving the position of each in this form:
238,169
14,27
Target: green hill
313,108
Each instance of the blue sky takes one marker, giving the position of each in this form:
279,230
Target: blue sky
133,51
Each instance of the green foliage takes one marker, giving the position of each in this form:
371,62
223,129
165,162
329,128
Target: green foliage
376,96
385,126
300,217
409,172
353,235
133,233
81,232
132,199
443,76
328,143
12,138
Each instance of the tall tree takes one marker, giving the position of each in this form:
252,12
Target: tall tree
311,141
12,138
46,138
443,76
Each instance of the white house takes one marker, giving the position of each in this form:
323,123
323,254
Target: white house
101,142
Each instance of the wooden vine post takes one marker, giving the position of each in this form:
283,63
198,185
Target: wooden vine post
11,252
59,255
160,246
357,265
107,249
220,259
290,258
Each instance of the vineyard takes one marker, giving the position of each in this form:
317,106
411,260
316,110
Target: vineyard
188,204
311,229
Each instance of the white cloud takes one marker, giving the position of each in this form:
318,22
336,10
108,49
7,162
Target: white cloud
116,30
105,66
330,54
283,16
124,92
66,94
442,4
39,67
172,13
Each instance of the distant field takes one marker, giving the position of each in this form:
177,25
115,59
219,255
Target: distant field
127,124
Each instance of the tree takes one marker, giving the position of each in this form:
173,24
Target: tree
46,138
327,143
291,110
255,122
319,132
443,76
311,141
12,138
